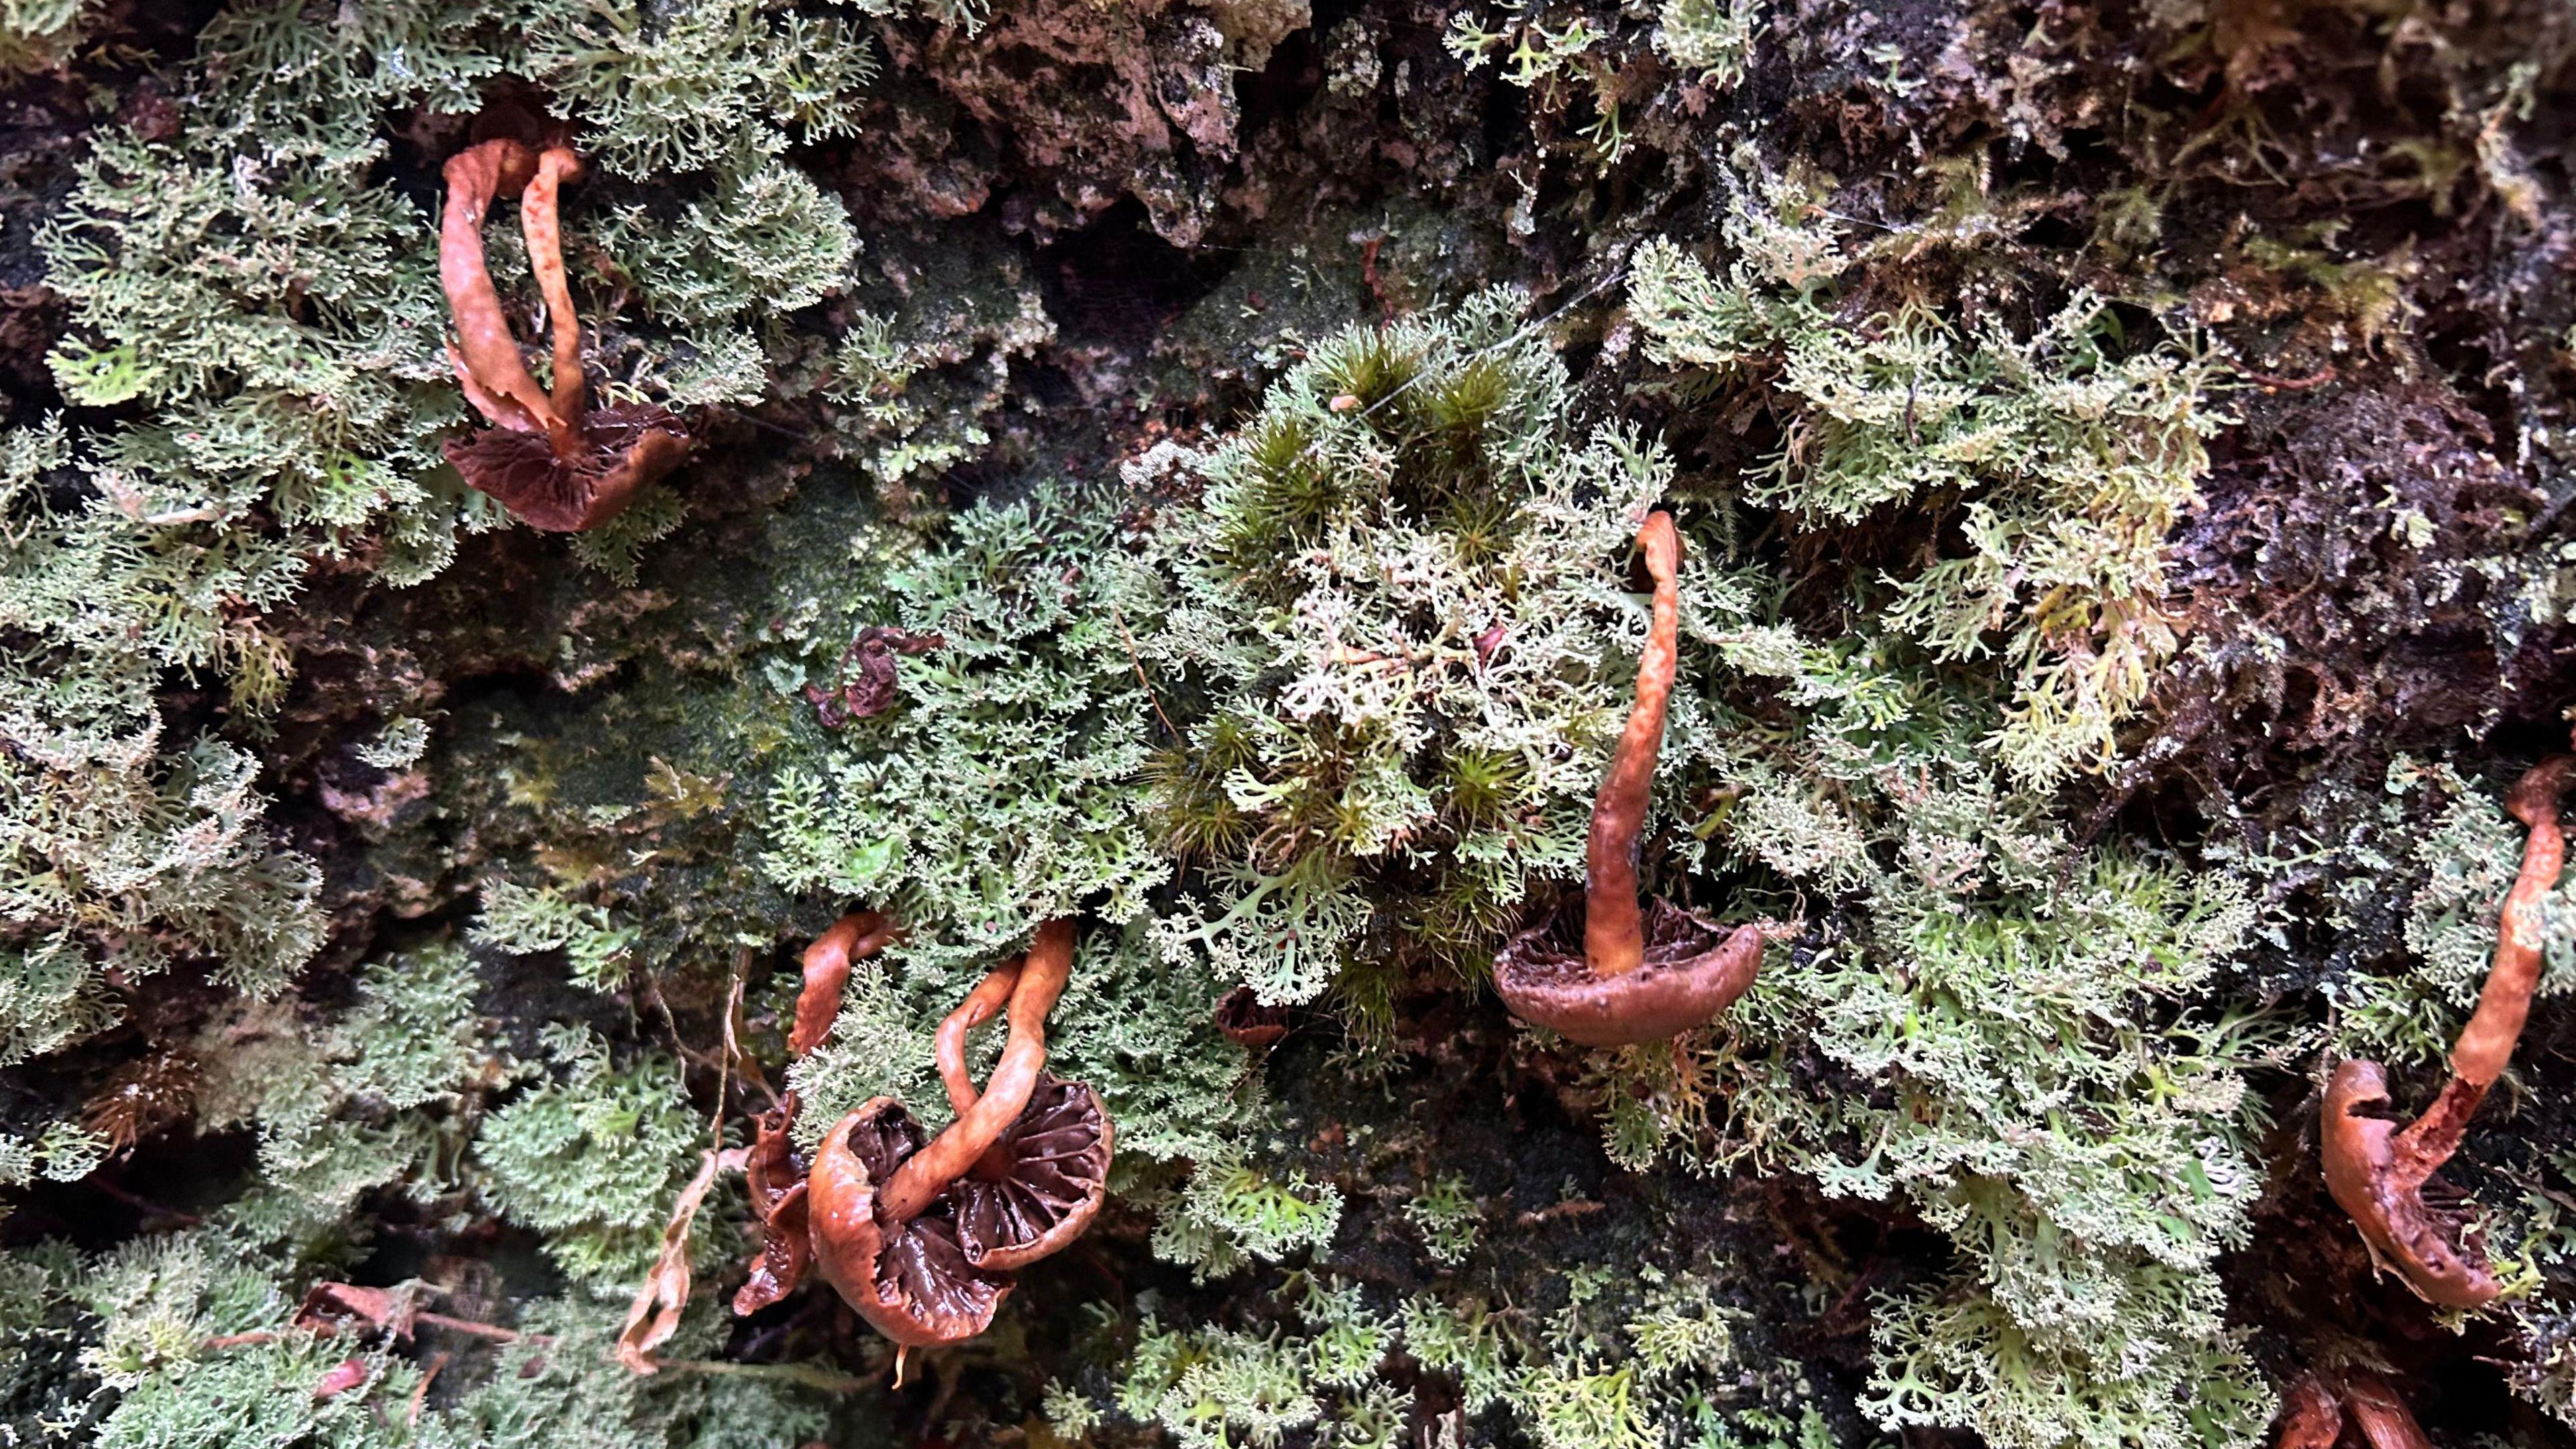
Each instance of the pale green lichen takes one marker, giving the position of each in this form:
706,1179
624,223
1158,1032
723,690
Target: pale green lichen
1006,786
590,1157
42,34
260,305
1712,38
2064,459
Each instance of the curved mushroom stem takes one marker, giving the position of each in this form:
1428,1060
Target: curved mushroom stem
2384,1419
2485,1046
541,221
948,1157
2311,1416
854,937
974,1011
2486,1043
486,356
2377,1171
1614,936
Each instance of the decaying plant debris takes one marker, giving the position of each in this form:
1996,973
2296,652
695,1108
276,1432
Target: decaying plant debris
589,590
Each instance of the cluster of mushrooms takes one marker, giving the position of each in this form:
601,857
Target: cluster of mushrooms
553,460
922,1234
1642,972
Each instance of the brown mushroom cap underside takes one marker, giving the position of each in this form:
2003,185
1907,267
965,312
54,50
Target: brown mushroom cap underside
1693,969
910,1280
1041,1184
619,450
2378,1179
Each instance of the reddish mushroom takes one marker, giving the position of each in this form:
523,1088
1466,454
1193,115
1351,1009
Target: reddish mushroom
2376,1171
1250,1022
1040,1184
2313,1416
920,1235
929,1173
854,937
905,1275
2383,1418
550,459
778,1188
1643,972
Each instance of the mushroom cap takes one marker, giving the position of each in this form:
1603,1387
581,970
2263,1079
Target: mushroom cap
1248,1021
2369,1177
620,450
1693,969
777,1184
910,1280
1041,1184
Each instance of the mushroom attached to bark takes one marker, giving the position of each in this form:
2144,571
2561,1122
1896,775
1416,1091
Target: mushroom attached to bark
906,1275
1040,1183
2313,1416
1643,971
2383,1418
2377,1171
551,460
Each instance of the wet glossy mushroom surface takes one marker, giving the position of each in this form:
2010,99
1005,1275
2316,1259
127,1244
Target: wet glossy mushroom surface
909,1278
2377,1171
776,1181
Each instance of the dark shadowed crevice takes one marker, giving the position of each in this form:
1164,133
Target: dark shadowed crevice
1115,283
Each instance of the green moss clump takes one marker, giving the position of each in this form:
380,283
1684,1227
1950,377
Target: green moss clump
1397,615
196,1348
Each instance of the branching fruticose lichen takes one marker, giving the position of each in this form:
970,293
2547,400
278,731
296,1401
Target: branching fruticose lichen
1309,713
